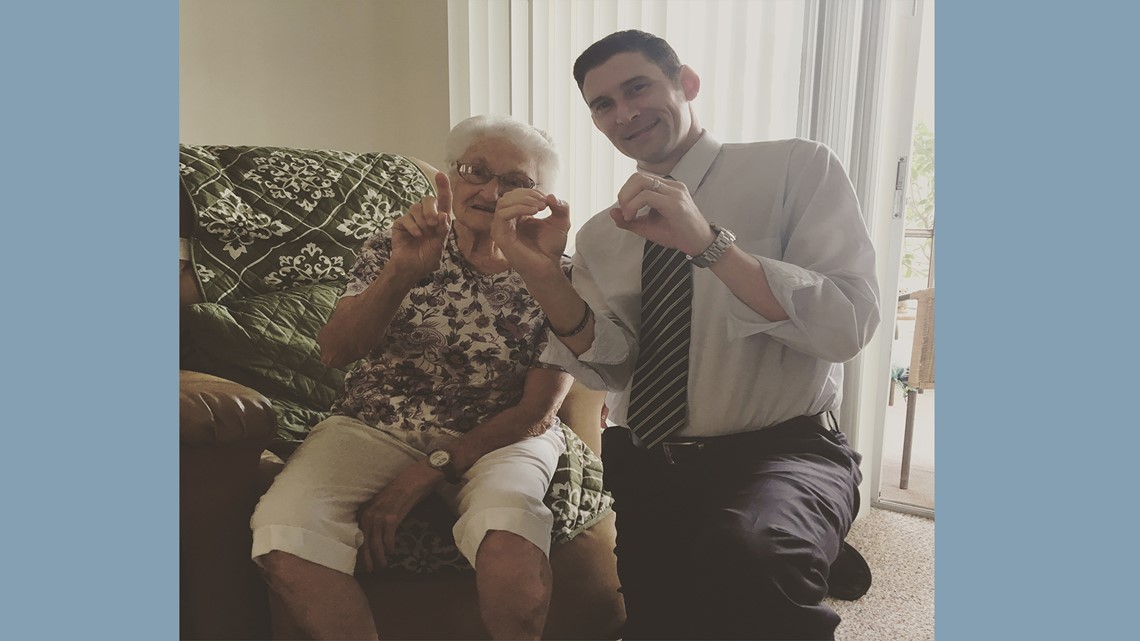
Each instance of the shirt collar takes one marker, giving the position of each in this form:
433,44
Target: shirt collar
692,168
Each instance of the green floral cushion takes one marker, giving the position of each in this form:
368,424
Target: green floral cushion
268,218
576,496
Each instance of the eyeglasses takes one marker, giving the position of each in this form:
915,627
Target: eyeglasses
481,175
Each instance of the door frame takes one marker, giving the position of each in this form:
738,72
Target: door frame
889,116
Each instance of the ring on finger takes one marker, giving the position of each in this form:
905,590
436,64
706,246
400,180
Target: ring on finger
656,184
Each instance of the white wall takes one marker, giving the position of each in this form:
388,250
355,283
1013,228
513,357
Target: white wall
355,75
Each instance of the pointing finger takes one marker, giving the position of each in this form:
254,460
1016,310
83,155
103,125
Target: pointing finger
431,212
443,188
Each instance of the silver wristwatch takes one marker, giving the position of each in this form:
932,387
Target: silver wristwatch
724,239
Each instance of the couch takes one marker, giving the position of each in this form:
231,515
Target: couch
267,235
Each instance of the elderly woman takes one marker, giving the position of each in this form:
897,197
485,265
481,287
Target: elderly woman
449,398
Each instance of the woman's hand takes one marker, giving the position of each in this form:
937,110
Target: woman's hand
419,235
380,517
531,243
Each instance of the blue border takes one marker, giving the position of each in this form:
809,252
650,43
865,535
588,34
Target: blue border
90,467
1037,246
1037,147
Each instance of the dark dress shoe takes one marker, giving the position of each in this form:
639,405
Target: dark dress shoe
850,576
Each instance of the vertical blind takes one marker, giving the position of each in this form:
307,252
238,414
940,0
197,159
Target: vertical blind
758,61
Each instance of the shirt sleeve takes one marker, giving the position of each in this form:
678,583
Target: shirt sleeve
608,363
543,336
825,280
374,254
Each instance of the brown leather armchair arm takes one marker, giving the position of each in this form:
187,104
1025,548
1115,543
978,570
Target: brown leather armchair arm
216,411
224,427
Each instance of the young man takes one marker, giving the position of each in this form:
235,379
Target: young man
716,301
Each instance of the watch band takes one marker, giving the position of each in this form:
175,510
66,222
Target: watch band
724,239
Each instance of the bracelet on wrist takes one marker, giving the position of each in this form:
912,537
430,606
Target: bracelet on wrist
577,330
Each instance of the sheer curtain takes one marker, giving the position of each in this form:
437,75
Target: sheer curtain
756,60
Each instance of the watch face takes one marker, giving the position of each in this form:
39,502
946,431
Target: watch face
439,458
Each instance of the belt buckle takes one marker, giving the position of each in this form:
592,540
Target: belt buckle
667,449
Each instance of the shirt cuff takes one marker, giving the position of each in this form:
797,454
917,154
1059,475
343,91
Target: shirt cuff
784,279
610,349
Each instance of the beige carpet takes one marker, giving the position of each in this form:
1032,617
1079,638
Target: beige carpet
900,604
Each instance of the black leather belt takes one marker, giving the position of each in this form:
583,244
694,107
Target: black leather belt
677,452
684,450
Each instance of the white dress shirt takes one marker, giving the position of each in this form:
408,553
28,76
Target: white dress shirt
792,207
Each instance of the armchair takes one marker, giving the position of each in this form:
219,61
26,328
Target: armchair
266,235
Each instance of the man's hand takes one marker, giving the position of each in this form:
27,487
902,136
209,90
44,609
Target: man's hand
380,517
529,243
673,219
419,235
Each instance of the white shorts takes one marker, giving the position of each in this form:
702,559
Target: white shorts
311,509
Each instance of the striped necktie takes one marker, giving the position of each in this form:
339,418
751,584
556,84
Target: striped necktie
658,401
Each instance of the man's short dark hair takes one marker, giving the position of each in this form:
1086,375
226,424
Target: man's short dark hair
654,48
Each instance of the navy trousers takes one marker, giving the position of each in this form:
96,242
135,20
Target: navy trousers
736,541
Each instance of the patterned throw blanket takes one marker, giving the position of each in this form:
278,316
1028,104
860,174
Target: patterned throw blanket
274,232
267,219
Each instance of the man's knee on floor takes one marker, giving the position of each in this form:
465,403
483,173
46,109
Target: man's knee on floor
735,547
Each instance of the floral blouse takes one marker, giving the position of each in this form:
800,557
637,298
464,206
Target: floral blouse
456,353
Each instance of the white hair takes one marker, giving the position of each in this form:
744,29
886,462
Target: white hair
530,139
